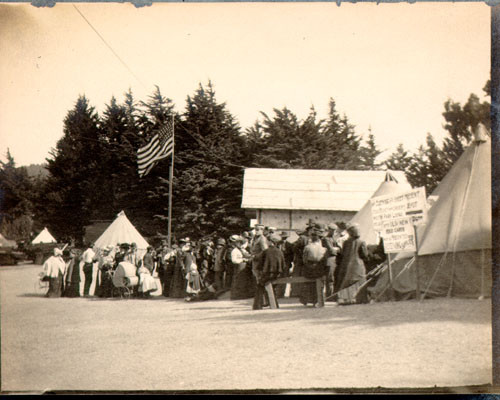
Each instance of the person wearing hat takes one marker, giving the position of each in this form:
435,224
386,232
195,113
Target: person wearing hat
314,267
333,249
352,270
183,260
88,257
54,268
258,245
242,286
270,267
219,263
287,249
72,280
228,275
104,285
298,251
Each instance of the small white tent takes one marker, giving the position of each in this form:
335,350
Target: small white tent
363,217
121,230
44,237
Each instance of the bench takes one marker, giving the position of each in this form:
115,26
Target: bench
273,303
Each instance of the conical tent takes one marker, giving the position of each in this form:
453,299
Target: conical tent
6,242
121,230
454,248
363,217
44,237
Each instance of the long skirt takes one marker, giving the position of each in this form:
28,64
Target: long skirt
296,288
146,283
243,285
106,284
312,292
55,286
178,284
72,289
349,295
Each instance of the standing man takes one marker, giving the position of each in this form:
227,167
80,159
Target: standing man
218,263
298,250
88,257
333,250
287,249
259,244
271,265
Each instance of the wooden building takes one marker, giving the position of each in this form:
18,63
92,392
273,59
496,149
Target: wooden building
288,198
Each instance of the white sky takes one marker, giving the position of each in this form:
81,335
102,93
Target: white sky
390,66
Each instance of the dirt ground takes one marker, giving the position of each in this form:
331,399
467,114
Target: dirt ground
169,344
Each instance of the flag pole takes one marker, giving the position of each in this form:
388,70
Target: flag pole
170,183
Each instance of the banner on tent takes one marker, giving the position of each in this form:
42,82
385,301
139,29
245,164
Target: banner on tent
398,235
411,204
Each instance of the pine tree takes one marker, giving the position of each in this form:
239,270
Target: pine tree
18,193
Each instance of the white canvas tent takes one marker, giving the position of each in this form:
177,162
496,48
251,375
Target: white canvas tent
119,231
44,237
363,217
454,248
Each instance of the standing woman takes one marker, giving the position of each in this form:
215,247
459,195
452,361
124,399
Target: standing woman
54,269
352,270
243,286
183,256
72,287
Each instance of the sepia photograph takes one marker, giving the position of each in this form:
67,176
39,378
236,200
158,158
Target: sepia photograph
246,197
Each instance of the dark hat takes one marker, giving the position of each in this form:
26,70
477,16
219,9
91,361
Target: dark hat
310,223
285,234
245,235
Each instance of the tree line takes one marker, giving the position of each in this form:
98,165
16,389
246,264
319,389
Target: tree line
93,170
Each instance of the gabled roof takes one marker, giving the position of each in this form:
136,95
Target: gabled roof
311,189
119,231
44,237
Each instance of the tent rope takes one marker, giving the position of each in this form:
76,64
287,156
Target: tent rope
434,275
407,266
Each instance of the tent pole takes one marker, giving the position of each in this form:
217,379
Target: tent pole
170,183
391,290
481,297
417,271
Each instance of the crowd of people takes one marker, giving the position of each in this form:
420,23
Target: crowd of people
333,259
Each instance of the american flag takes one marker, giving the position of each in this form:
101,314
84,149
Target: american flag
159,147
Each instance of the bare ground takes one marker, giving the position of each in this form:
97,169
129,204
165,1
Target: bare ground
168,344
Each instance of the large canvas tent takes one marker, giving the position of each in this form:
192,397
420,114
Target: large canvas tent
44,237
363,217
454,247
121,230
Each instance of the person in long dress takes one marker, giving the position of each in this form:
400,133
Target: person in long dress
72,277
147,283
352,270
54,268
183,258
243,286
106,264
314,267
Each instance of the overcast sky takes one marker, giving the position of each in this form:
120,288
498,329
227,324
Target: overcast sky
390,66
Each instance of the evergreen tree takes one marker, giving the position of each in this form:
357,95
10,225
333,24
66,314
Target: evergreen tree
208,175
399,160
369,153
343,142
18,193
71,185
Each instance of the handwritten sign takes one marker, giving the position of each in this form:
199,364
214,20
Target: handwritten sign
398,235
395,215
